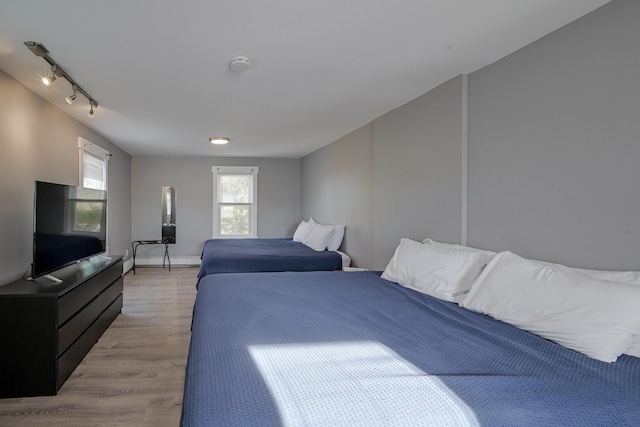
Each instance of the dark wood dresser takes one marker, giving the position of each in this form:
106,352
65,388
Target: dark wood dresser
47,328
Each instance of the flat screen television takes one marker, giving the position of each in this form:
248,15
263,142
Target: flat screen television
69,225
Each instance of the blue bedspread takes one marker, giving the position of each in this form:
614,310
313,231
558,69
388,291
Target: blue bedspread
264,255
349,349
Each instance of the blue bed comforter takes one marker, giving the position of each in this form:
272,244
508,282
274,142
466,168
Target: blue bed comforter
264,255
349,349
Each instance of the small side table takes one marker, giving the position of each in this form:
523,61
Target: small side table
136,243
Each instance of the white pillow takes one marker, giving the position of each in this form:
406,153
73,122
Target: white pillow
594,317
336,238
630,277
445,273
455,246
319,237
303,231
634,347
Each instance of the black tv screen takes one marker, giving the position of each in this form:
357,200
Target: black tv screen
69,225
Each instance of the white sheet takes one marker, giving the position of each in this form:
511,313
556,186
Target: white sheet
346,259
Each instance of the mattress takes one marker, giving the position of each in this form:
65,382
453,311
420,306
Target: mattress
351,349
263,255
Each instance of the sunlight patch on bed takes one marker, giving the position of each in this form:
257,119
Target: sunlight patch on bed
361,383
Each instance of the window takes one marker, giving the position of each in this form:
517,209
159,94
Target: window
93,162
93,165
234,198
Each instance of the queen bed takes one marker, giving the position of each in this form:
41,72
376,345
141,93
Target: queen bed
265,255
354,349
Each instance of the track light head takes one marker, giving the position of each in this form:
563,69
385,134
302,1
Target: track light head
48,80
71,98
91,113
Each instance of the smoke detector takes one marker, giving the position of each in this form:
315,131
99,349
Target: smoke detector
240,63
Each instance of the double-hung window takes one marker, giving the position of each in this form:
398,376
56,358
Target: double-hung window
93,165
88,212
234,201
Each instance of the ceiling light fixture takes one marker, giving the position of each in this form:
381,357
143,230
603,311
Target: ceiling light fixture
71,98
219,140
38,49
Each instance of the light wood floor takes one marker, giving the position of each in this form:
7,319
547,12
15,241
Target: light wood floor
134,375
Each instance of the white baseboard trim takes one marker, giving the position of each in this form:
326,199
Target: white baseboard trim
176,261
127,265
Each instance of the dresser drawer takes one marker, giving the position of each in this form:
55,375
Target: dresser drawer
77,324
71,302
74,354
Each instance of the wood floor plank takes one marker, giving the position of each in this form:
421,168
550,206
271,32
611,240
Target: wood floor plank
134,375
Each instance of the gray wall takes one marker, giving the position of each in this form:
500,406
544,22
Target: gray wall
337,185
278,201
554,145
418,171
400,176
40,142
553,153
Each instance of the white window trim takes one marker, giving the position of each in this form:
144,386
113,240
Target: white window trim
86,146
235,170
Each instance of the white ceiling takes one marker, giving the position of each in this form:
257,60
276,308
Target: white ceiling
159,69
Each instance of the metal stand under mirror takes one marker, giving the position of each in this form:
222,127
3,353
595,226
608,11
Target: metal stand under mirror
169,214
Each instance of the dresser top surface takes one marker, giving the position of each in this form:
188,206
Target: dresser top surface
69,277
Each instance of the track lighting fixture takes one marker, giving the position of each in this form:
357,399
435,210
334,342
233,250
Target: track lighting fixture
71,98
38,49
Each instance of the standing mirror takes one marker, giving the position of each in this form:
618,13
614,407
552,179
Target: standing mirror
169,214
